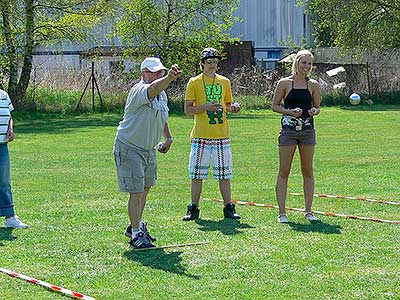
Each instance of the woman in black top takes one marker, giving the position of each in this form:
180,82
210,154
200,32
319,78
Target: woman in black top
301,98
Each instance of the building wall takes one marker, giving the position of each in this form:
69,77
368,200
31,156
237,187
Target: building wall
269,23
266,23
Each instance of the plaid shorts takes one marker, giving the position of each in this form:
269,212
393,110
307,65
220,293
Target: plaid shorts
205,150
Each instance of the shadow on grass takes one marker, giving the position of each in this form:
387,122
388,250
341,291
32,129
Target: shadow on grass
316,226
160,260
6,235
226,226
248,115
53,123
365,107
36,122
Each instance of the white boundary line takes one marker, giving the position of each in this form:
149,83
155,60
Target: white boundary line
331,214
350,198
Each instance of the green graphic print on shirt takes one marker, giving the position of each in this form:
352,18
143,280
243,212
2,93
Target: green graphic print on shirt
214,94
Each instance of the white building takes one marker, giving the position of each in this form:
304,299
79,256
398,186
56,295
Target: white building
270,24
267,23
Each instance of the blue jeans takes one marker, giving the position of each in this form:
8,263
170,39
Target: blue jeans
6,201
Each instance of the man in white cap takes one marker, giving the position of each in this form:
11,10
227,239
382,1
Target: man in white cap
144,123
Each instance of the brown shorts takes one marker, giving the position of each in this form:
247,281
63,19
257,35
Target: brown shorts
292,137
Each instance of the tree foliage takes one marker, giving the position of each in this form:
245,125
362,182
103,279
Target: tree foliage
176,30
25,24
356,23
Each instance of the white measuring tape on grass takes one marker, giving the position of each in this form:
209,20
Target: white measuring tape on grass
331,214
47,285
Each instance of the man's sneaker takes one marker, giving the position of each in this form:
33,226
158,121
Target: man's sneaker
192,213
310,217
128,232
283,219
230,211
148,235
140,241
14,222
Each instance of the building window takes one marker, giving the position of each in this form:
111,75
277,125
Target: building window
273,54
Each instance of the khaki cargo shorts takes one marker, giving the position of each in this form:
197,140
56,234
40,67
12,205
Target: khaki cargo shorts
136,168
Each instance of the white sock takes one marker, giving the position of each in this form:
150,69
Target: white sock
135,232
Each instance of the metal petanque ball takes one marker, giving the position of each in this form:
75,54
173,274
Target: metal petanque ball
355,99
236,104
297,110
159,146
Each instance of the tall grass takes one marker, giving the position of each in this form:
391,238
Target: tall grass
66,101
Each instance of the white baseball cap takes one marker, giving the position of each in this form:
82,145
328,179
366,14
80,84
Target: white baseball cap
153,64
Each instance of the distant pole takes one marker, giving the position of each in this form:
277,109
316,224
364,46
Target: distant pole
92,78
369,82
92,85
97,88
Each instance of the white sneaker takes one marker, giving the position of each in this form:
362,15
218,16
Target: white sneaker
14,222
310,217
283,219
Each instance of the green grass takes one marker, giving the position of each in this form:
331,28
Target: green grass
65,187
66,101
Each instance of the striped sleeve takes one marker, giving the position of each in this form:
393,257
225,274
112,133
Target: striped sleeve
10,106
5,108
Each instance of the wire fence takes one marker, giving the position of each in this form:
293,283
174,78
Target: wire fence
245,80
368,79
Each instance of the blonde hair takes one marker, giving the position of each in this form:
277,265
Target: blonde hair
300,55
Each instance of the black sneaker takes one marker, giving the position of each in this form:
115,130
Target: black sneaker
140,241
148,235
230,211
128,232
192,213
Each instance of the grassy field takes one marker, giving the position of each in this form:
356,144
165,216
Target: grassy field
65,187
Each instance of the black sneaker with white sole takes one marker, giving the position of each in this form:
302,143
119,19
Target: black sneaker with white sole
192,213
230,212
140,241
128,232
152,238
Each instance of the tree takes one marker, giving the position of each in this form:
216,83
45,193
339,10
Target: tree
25,24
356,23
176,30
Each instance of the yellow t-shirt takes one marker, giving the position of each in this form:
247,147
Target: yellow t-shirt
203,89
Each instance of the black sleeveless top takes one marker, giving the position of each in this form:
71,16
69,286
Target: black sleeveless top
300,98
